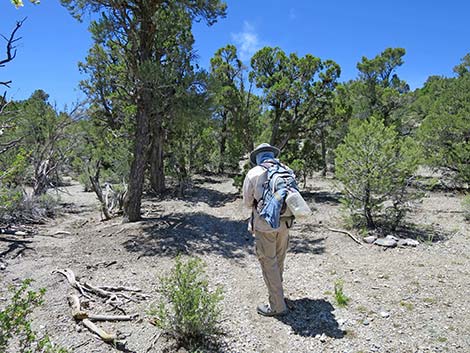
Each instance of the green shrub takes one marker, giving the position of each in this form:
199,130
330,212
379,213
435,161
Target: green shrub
15,322
190,312
10,200
340,297
466,207
375,167
16,206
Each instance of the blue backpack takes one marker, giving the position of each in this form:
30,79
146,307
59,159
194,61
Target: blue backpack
280,180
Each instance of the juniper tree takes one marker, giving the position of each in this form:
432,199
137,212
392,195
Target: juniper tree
375,167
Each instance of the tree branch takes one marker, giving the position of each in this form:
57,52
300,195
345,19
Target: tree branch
10,49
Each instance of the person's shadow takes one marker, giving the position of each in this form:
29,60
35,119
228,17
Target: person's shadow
311,317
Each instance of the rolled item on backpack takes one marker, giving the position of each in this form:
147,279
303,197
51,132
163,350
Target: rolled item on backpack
297,205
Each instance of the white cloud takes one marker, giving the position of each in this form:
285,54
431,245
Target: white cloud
247,41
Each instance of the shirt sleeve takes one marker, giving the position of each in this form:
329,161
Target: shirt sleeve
248,192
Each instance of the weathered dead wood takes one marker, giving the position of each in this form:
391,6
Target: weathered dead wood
347,233
72,281
79,314
121,288
105,336
59,232
155,339
110,293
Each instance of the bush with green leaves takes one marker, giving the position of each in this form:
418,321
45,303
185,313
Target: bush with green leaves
16,206
190,312
443,133
15,322
375,167
466,207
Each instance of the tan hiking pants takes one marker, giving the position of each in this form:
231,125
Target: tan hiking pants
271,250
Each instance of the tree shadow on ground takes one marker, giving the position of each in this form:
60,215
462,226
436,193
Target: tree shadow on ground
196,233
15,248
311,317
302,241
422,233
195,194
322,197
211,197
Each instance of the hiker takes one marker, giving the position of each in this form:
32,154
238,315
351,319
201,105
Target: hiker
271,243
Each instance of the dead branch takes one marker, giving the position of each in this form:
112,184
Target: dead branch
74,303
121,288
72,281
10,48
110,293
96,187
100,292
155,339
346,232
78,314
106,337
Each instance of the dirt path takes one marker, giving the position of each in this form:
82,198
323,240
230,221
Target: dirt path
401,300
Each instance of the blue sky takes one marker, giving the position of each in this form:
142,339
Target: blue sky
435,35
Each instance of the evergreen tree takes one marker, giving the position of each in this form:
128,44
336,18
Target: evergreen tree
375,167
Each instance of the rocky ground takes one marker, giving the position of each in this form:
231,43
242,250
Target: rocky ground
402,299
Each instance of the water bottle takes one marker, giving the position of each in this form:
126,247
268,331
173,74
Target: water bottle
297,205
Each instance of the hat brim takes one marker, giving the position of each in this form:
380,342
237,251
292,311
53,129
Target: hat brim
273,149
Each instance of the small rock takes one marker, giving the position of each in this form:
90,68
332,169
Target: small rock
365,322
389,243
411,242
2,266
402,242
384,314
391,237
370,239
323,338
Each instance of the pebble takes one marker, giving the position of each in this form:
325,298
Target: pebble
366,322
370,239
389,243
391,237
384,314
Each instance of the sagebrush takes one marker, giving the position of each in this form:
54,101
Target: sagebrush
190,312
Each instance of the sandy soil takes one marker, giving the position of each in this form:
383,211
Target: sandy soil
401,299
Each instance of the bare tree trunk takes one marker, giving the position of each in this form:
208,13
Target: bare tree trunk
367,209
95,185
157,173
223,141
133,200
276,126
323,153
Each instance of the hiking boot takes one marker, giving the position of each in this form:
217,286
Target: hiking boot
265,310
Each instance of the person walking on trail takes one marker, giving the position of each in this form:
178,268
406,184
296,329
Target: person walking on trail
271,243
